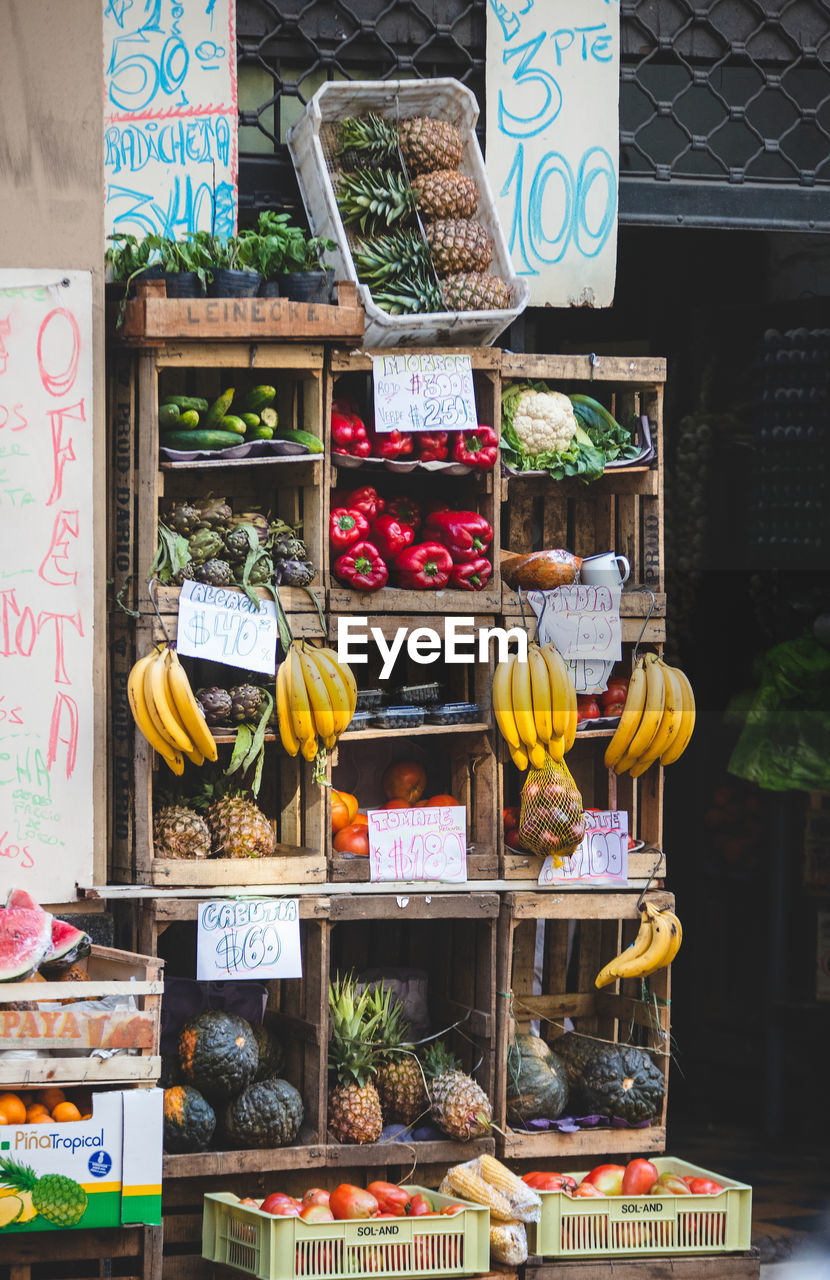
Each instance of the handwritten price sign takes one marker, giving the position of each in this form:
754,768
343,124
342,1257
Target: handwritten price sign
225,626
601,859
418,844
583,622
259,939
424,393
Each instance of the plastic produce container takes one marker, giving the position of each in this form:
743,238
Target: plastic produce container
240,1236
311,142
360,720
370,699
420,694
398,718
453,713
639,1226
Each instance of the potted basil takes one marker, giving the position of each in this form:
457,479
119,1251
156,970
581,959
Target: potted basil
125,259
266,249
231,277
305,278
185,264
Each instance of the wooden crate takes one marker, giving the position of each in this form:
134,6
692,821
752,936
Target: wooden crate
151,318
122,436
452,936
623,510
112,973
289,487
638,619
126,1253
713,1266
295,804
582,932
350,372
460,759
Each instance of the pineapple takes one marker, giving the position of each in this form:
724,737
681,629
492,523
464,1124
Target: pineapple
414,293
388,257
239,828
459,244
354,1105
475,291
426,143
377,198
179,832
445,194
459,1106
400,1082
58,1199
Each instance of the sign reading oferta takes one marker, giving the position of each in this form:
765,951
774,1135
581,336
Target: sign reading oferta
553,143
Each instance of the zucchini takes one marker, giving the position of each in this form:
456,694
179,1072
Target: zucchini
313,443
251,420
169,415
230,422
269,418
257,398
188,402
188,421
218,409
205,439
260,433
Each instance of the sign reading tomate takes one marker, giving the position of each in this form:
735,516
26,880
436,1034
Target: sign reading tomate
46,586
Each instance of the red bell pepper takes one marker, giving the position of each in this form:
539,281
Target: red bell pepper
433,445
361,448
362,567
426,567
407,511
465,534
347,527
390,444
390,536
391,1198
364,499
471,576
478,448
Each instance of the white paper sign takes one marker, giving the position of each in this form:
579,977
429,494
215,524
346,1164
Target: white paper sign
221,625
602,857
249,938
553,69
420,392
48,488
418,844
170,117
583,622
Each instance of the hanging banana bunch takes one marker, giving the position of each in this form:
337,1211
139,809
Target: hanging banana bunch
316,699
657,943
535,706
657,719
166,711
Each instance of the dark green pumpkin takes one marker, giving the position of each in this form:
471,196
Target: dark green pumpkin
537,1081
266,1114
271,1053
189,1120
218,1053
621,1081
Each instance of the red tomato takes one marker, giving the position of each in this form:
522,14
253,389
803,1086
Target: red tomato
510,817
316,1213
436,802
249,1200
419,1206
617,690
390,1197
347,1201
353,839
703,1186
396,804
550,1182
607,1177
639,1177
613,708
587,708
316,1195
281,1206
452,1209
587,1190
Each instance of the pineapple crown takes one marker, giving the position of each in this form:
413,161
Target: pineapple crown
353,1022
392,1030
438,1060
20,1176
370,134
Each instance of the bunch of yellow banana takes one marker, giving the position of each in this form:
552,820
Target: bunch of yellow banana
316,698
166,711
657,943
535,706
657,719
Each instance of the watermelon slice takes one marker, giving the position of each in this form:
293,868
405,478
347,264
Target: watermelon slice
25,937
68,945
22,898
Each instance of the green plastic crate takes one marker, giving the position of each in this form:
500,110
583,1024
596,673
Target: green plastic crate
639,1226
240,1236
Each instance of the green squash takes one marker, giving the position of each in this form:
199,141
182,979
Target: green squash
617,1080
268,1113
271,1053
537,1081
218,1054
189,1120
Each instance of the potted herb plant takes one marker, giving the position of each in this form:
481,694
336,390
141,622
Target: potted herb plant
231,277
265,250
186,265
306,279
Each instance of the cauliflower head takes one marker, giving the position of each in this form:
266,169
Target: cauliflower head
544,422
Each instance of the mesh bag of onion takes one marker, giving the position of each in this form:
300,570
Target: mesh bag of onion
551,819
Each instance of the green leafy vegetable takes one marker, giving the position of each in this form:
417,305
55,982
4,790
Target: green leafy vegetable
598,438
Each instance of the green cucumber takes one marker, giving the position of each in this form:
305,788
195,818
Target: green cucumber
313,443
188,402
205,439
269,418
251,421
260,433
169,415
188,421
257,398
230,422
218,409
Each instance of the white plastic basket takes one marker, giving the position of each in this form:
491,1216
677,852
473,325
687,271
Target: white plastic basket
308,143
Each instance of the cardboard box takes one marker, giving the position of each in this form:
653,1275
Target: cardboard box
114,1160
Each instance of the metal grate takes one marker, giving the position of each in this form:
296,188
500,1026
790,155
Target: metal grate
720,102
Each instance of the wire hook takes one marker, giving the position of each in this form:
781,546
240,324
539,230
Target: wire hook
646,622
154,582
652,877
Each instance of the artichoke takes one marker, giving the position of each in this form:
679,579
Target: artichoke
204,545
262,573
184,518
181,575
258,522
214,513
296,573
237,545
215,703
246,703
215,573
289,547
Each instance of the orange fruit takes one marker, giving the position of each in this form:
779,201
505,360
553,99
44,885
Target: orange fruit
66,1111
3,1118
13,1109
40,1117
35,1112
360,820
51,1097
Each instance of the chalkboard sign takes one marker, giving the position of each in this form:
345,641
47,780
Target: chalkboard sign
47,637
553,143
170,117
